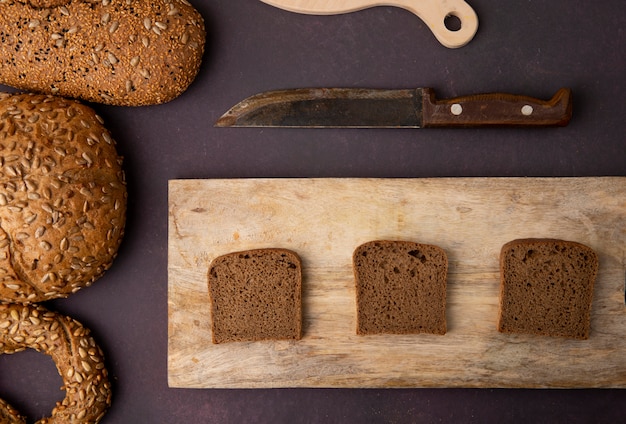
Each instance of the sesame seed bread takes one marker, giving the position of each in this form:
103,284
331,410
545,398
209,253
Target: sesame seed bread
62,197
256,295
546,287
45,3
79,361
107,51
400,288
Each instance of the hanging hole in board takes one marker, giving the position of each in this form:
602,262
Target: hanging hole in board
452,22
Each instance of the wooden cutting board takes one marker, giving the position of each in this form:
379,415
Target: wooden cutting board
325,219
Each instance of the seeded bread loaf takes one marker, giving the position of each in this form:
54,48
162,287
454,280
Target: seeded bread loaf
62,197
400,288
108,51
546,287
256,295
78,359
45,3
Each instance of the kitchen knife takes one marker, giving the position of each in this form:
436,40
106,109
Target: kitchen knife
408,108
434,13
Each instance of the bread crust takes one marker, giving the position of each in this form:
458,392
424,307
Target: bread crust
400,287
256,295
108,51
78,359
45,3
9,415
62,197
547,287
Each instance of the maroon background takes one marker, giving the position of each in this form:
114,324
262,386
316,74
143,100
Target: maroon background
522,46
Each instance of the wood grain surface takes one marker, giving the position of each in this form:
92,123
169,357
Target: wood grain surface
325,219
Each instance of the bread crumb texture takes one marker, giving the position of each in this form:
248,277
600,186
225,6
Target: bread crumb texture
547,287
62,197
118,52
256,295
400,288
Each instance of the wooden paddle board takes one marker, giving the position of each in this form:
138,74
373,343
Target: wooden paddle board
435,13
323,220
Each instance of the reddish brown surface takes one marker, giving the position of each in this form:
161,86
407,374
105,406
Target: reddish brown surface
531,48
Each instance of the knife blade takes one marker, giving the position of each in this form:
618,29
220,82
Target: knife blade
434,13
405,108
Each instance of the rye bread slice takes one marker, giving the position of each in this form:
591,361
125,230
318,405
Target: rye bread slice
256,295
546,287
400,288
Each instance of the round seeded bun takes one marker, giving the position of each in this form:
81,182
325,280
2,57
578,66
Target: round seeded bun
62,197
9,415
77,356
116,52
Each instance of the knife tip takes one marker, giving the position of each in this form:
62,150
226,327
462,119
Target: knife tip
226,121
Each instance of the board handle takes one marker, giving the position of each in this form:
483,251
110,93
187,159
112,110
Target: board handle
435,13
496,109
438,14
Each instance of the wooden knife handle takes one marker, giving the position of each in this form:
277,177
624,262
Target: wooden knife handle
484,110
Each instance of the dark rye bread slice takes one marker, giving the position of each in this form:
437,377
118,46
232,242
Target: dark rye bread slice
400,288
256,295
546,287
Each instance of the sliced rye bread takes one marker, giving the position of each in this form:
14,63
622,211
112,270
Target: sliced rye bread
546,287
256,295
400,288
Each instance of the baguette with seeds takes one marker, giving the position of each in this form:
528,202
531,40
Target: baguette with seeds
62,197
78,359
45,3
116,52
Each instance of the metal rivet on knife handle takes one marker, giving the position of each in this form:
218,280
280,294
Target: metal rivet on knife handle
456,109
496,109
